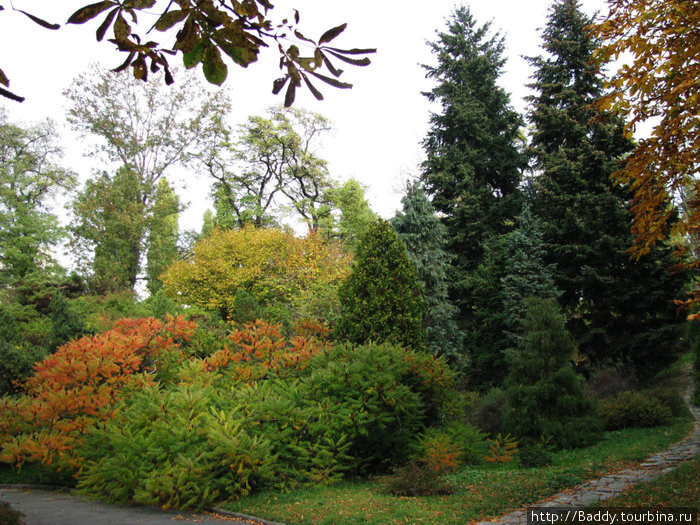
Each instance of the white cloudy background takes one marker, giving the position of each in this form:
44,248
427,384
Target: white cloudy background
379,124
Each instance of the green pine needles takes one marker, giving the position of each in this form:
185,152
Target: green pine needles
545,395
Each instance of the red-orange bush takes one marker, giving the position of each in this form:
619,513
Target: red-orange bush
259,348
77,387
439,452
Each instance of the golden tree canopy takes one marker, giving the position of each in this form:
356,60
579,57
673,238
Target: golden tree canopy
268,263
659,41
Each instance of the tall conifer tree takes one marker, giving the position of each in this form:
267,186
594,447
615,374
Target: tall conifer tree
472,171
617,308
473,163
425,239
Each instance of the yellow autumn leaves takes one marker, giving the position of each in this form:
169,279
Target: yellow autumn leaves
270,264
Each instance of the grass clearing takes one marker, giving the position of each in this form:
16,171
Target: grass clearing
480,492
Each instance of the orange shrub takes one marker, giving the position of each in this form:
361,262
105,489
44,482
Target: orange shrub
79,386
259,348
439,452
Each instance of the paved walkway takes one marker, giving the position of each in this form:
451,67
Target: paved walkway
45,507
613,484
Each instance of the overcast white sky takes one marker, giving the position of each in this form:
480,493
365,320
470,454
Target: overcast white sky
379,124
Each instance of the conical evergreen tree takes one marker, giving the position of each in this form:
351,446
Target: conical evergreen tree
472,171
616,308
526,274
382,300
545,396
425,239
512,270
473,164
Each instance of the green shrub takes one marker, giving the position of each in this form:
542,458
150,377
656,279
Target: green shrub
608,381
66,324
16,364
416,479
670,397
545,396
160,305
633,409
438,450
472,441
100,312
307,439
208,338
534,455
451,445
375,394
205,436
487,414
693,337
174,448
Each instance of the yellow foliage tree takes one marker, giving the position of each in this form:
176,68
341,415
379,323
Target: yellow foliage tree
270,264
660,85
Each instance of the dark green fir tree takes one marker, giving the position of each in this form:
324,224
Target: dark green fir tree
618,309
472,171
425,239
473,166
382,300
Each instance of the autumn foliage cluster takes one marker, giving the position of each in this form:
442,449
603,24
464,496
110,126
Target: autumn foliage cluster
268,266
80,386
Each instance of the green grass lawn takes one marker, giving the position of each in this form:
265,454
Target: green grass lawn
480,492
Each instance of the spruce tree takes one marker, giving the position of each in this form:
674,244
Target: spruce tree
512,270
382,300
473,164
525,273
545,396
617,308
425,239
472,172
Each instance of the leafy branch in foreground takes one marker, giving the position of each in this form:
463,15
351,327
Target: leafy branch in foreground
206,30
657,84
4,80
